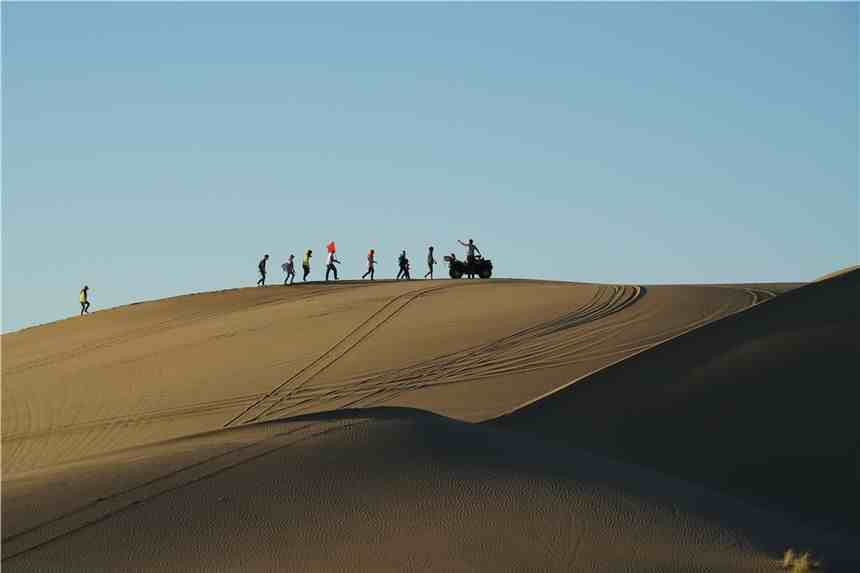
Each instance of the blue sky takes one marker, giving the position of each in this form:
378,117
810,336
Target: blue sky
154,149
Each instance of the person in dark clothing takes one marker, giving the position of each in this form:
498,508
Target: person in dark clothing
85,302
430,262
404,266
290,269
306,264
261,266
371,261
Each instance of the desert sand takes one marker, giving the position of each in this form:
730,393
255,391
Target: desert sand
445,425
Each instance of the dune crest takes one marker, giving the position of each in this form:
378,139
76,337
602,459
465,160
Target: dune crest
759,404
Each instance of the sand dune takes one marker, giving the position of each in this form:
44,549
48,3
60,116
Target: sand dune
331,427
469,350
375,490
837,273
762,404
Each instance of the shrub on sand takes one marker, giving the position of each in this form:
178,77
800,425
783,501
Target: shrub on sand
799,562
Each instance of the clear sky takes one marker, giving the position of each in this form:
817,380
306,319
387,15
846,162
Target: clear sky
154,149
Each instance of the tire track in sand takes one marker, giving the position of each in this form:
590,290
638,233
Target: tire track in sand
560,342
338,350
532,348
249,401
103,508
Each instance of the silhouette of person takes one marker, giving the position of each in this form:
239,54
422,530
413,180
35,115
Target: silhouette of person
306,264
330,265
261,266
430,262
85,302
370,262
471,249
404,266
290,269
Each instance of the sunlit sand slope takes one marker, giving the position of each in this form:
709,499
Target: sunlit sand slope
466,349
378,490
762,404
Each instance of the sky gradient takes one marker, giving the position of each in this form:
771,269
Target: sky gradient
155,149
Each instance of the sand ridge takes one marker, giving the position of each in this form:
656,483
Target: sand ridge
762,397
87,386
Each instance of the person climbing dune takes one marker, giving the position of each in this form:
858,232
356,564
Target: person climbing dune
261,266
306,265
85,302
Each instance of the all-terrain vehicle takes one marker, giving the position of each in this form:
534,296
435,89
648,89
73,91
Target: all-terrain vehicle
478,265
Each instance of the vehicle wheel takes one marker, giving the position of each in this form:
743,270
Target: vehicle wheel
485,273
456,273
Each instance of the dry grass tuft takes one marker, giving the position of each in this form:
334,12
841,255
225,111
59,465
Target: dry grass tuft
799,562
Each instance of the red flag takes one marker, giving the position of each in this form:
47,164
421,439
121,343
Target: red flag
331,247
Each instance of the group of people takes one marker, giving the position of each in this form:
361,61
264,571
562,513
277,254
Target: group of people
332,262
289,267
331,268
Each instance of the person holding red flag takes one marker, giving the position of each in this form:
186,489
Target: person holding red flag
331,261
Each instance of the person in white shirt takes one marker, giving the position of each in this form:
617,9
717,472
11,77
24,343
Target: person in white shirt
331,261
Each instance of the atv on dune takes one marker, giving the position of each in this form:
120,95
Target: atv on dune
478,265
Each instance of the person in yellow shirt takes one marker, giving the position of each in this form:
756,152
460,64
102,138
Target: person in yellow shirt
306,264
85,303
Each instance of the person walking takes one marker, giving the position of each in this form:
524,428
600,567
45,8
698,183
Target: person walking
306,265
370,262
403,262
331,261
289,268
430,262
85,302
261,266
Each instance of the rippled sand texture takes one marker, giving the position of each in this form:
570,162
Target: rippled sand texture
390,426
